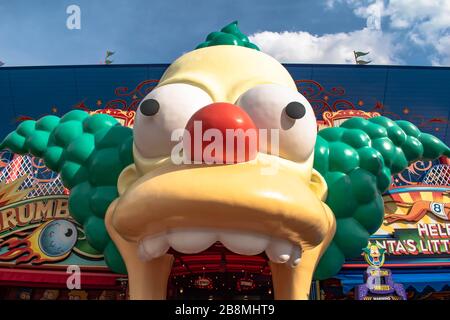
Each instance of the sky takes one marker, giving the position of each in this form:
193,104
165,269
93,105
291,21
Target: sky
395,32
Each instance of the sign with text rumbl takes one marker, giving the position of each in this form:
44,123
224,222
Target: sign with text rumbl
416,223
39,230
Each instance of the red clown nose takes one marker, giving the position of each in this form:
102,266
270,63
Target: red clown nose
220,133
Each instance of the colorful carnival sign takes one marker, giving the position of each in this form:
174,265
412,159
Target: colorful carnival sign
378,282
416,227
417,222
35,224
39,230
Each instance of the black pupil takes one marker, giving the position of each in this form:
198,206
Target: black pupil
149,107
295,110
68,233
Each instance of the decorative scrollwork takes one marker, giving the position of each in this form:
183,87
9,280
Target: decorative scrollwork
41,174
126,118
435,123
413,174
312,89
5,158
129,99
319,98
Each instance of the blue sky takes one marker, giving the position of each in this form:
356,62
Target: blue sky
157,31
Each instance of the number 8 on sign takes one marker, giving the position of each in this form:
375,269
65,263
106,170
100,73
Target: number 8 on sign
438,209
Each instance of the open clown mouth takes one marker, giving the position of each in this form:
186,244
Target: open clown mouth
201,251
196,241
206,251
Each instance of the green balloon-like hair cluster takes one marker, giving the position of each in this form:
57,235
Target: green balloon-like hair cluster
89,151
228,35
357,160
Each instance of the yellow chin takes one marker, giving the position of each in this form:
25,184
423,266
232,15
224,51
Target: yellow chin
269,196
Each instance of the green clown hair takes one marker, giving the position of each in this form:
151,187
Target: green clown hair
357,160
89,151
228,35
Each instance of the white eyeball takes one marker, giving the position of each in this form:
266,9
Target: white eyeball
162,111
277,107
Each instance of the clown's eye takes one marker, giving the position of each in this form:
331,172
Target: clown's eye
295,110
163,110
277,107
149,107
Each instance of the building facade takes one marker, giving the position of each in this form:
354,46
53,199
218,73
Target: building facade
33,203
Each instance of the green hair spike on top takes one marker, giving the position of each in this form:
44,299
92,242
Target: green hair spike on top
228,35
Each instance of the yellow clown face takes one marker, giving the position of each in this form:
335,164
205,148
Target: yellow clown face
188,206
374,255
374,252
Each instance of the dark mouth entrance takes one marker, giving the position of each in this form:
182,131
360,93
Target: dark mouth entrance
218,274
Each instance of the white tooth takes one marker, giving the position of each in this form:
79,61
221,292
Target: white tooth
279,250
141,252
296,256
191,240
155,246
245,244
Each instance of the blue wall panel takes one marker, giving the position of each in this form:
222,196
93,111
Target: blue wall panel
418,94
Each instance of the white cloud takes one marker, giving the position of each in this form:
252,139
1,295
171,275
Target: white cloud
331,3
415,24
443,52
372,10
431,15
373,14
329,48
424,23
304,47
